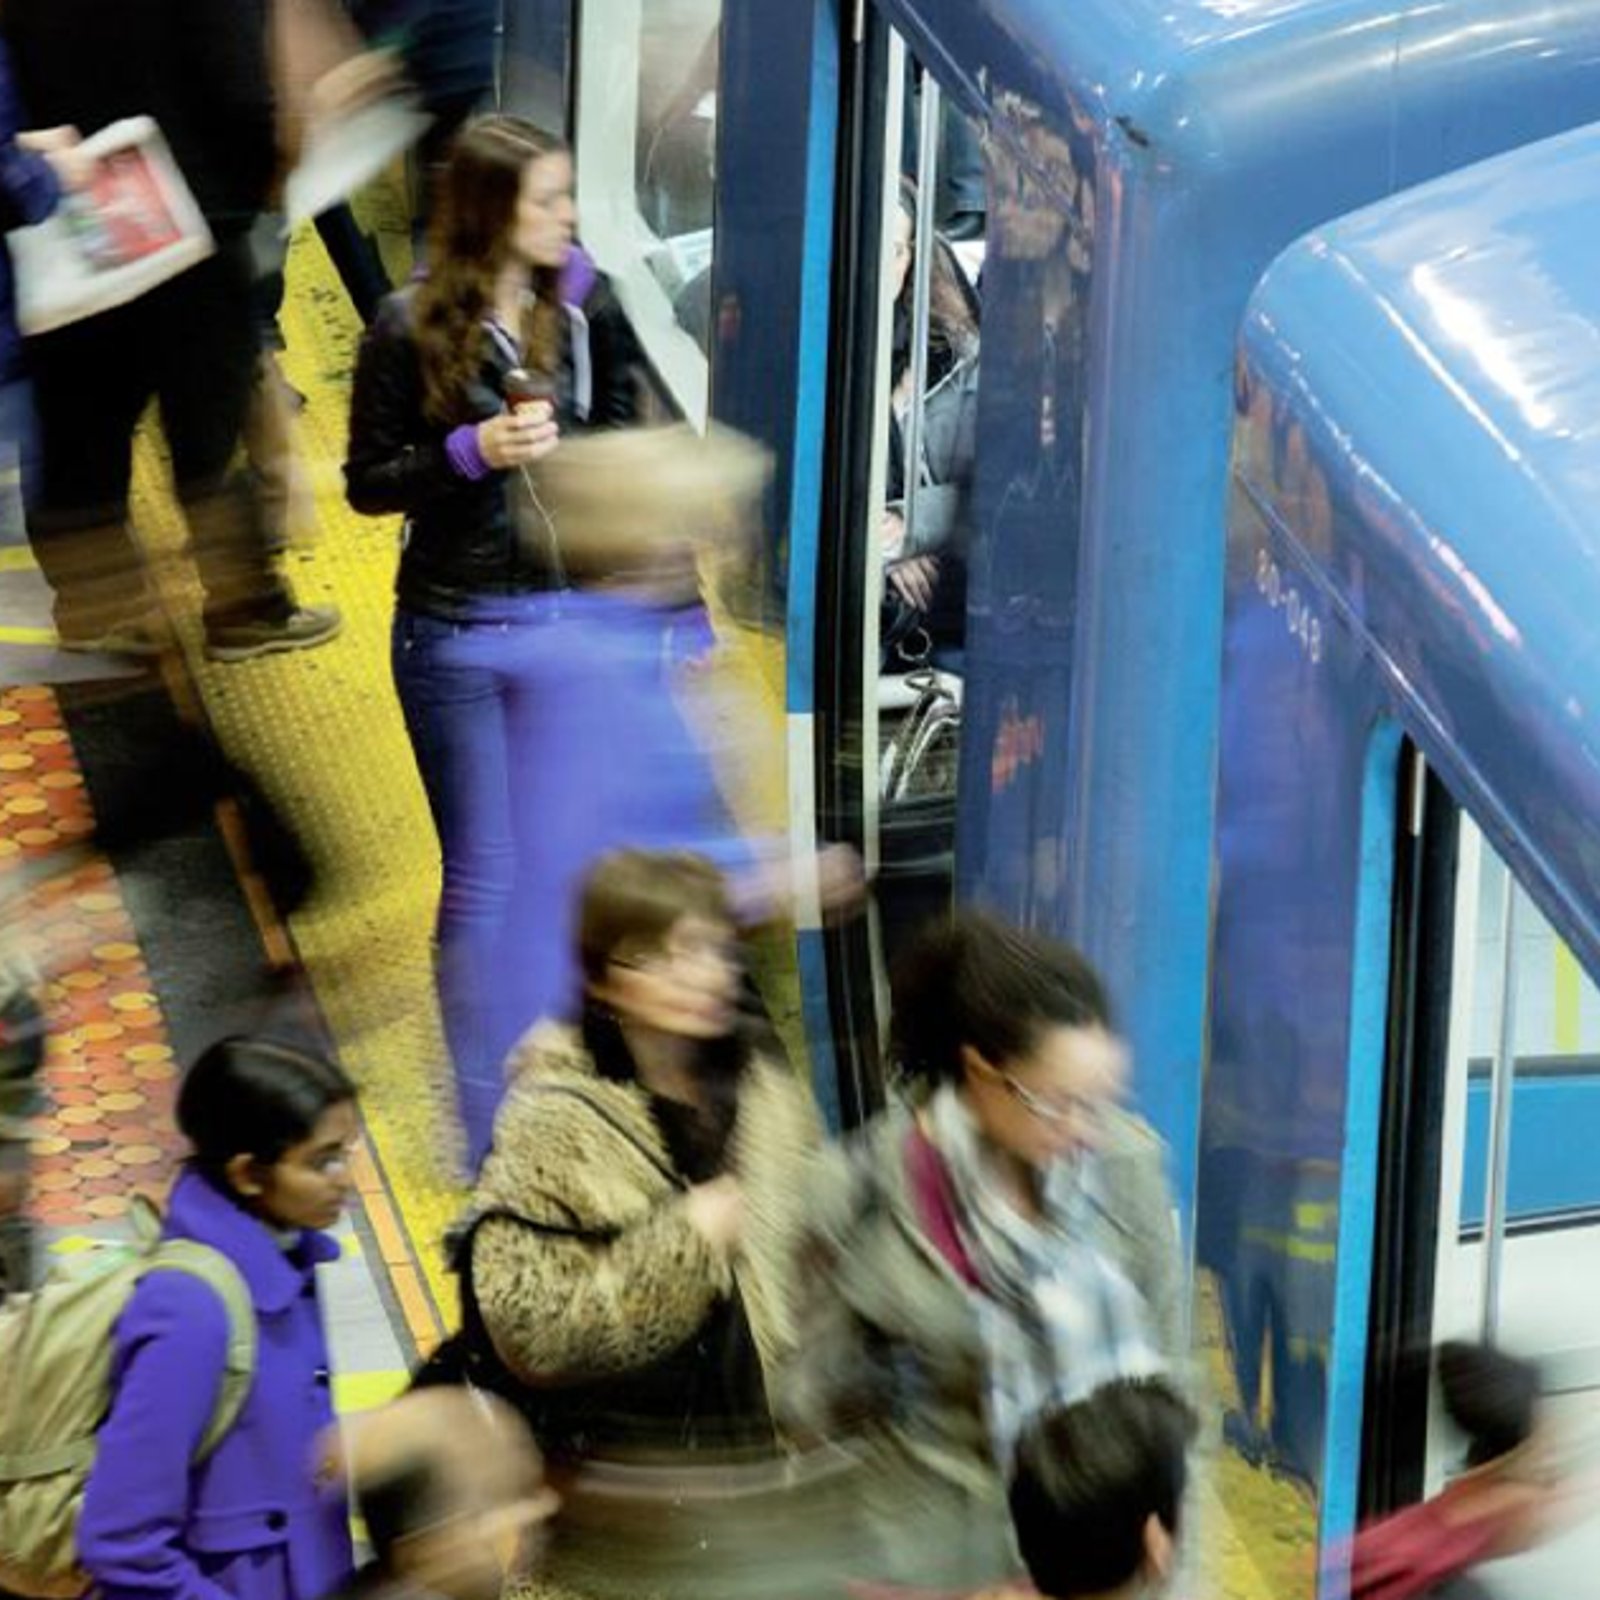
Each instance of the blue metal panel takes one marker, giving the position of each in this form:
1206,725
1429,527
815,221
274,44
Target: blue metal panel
776,112
811,387
1413,538
1211,135
1363,1125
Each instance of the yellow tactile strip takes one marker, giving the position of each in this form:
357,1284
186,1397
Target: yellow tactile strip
322,733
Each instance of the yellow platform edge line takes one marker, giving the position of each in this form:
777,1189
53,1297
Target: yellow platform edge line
366,1391
18,635
17,558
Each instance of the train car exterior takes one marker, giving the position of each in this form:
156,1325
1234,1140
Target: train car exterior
1147,159
1412,577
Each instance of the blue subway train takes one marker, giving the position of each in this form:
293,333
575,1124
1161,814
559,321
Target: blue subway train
1079,755
1409,774
1136,167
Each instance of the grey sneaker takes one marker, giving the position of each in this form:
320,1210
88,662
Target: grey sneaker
136,638
304,628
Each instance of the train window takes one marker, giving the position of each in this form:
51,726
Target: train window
1519,1241
646,157
933,251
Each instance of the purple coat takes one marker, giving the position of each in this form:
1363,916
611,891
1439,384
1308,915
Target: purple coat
251,1523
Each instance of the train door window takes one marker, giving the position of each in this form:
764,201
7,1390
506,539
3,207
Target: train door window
1518,1246
646,157
933,233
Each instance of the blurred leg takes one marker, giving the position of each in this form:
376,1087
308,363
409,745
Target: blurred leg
355,258
91,382
208,351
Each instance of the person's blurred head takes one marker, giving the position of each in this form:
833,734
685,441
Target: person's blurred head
1491,1396
504,203
1098,1490
658,944
271,1126
634,506
952,305
451,1488
1019,1024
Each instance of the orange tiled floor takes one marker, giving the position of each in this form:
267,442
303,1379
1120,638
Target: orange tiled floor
109,1075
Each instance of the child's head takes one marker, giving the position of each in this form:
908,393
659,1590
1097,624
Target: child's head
1491,1396
1098,1487
451,1487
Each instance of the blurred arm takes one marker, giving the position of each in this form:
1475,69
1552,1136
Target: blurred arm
29,188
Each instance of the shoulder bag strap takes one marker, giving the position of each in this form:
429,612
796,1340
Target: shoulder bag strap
213,1268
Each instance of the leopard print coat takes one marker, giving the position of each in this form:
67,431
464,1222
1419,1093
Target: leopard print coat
574,1148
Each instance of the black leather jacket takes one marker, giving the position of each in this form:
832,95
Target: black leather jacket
462,538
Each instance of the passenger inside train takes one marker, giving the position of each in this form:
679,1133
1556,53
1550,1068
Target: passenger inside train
766,826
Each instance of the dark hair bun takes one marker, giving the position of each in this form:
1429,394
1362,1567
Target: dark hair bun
973,980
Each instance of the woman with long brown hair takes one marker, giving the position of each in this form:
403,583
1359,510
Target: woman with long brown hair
467,379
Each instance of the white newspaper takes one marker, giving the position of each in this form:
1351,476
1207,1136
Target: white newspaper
346,153
132,227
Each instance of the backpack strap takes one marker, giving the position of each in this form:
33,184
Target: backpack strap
213,1268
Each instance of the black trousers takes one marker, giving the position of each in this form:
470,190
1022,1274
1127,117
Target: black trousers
191,346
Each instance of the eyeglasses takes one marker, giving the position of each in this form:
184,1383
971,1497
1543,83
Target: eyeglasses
675,958
1058,1111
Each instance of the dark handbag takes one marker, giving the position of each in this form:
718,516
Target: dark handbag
567,1418
561,1416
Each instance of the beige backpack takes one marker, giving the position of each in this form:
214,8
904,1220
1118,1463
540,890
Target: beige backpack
55,1353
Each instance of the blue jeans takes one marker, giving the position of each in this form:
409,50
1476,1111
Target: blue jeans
460,684
18,459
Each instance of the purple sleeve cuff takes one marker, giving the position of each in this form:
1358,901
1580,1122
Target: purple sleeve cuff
465,455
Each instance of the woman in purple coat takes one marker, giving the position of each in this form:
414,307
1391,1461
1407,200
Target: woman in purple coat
271,1130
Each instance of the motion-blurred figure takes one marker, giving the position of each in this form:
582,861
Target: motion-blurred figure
35,167
434,434
22,1046
450,1487
448,49
627,1264
1097,1492
200,70
1513,1493
1000,1244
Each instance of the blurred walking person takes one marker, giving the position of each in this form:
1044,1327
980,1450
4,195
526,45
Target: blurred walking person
200,69
1000,1242
36,168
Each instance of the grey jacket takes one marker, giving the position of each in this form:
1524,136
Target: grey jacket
890,1353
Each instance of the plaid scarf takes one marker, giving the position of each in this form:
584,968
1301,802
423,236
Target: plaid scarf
1058,1316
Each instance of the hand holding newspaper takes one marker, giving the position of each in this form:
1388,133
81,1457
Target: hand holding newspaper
131,226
